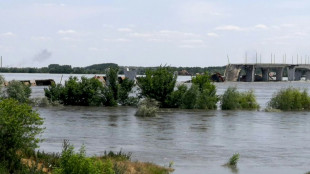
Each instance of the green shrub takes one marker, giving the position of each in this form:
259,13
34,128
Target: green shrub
112,82
86,92
53,92
189,98
201,95
233,160
125,88
290,99
19,91
175,98
207,97
147,108
19,126
91,92
232,99
77,163
157,84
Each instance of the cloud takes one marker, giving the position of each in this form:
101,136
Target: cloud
212,35
63,32
8,34
93,49
193,41
261,26
117,40
198,12
238,28
40,38
42,56
229,28
124,29
165,36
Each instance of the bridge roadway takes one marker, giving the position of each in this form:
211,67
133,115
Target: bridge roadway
294,71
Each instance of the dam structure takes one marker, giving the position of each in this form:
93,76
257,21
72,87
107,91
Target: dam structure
268,72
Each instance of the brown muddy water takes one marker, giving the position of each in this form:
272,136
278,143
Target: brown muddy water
196,141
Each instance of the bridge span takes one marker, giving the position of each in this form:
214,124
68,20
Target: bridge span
294,72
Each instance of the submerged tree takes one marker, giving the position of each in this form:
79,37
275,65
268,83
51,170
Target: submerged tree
158,84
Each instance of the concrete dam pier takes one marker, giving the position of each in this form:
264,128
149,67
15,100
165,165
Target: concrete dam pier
267,72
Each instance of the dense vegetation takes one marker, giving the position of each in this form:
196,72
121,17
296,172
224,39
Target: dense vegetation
19,127
201,95
157,84
290,99
92,92
232,100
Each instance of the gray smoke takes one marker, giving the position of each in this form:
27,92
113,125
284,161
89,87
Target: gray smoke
42,56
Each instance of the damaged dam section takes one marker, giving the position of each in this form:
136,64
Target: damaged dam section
266,72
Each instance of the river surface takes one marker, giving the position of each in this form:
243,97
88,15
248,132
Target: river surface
196,141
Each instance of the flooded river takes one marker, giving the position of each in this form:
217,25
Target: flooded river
196,141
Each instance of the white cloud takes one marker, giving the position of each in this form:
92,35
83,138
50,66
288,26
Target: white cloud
212,34
8,34
66,32
229,28
198,12
261,26
40,38
116,40
124,29
122,40
165,36
141,35
193,41
93,49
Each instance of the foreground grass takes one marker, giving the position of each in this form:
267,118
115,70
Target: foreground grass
77,162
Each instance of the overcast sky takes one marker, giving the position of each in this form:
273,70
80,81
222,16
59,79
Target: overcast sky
152,32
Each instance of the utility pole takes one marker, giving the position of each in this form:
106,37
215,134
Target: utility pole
1,61
228,59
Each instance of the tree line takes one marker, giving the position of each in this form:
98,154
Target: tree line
102,68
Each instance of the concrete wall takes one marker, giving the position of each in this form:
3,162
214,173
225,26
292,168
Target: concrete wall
232,73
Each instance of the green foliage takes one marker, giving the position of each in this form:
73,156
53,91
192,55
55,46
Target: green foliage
232,99
53,92
91,92
157,84
290,99
175,98
125,88
19,91
201,95
82,93
77,163
233,160
19,126
119,156
189,98
112,82
147,108
207,97
86,92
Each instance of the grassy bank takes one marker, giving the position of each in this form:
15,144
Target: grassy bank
70,161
